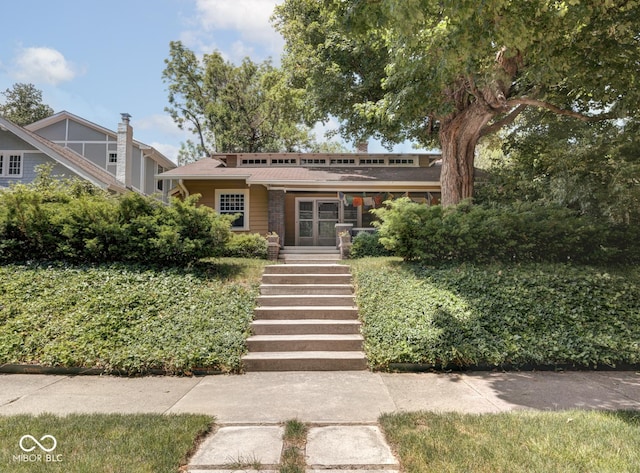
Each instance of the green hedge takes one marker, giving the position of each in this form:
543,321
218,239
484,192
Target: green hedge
368,244
521,232
468,315
246,245
62,220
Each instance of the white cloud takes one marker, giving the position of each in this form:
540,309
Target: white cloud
40,65
249,17
158,123
170,151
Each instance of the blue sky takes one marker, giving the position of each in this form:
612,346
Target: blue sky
98,59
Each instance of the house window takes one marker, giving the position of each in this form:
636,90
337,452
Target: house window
231,201
160,184
11,165
113,157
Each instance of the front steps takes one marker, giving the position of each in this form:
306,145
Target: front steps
309,255
306,320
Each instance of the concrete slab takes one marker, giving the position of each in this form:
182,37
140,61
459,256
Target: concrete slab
98,394
546,390
15,386
244,445
348,446
271,397
437,392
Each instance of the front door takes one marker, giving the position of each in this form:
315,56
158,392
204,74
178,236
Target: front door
316,221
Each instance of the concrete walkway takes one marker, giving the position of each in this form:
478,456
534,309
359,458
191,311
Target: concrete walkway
255,405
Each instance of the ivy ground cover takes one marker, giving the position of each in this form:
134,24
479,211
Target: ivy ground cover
128,319
470,315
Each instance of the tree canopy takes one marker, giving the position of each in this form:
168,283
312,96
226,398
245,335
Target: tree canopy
23,104
447,72
229,108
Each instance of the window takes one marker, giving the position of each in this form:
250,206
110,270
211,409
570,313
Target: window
231,201
11,164
113,157
160,183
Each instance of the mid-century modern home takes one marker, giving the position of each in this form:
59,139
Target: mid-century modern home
302,197
76,147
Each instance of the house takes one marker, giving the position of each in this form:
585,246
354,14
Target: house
306,198
79,148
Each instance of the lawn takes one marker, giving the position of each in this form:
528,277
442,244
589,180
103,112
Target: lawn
128,319
498,315
100,443
523,442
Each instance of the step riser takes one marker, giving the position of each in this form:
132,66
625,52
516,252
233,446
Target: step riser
306,279
305,365
306,290
306,329
296,313
304,345
306,269
305,300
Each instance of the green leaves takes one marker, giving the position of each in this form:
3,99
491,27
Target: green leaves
67,222
124,318
546,314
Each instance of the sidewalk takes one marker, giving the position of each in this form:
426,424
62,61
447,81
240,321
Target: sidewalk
342,407
349,397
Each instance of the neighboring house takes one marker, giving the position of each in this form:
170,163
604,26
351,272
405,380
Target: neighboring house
77,147
302,197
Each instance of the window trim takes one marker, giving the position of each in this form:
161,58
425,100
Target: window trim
245,193
6,160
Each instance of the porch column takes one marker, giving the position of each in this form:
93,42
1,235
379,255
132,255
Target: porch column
276,213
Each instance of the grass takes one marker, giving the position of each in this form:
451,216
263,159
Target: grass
523,442
102,443
128,318
295,438
498,314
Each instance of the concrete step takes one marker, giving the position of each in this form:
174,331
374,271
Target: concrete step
306,279
274,343
306,312
307,289
306,361
309,250
307,269
305,300
305,327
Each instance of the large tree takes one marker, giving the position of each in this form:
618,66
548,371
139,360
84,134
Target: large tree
23,104
229,108
447,72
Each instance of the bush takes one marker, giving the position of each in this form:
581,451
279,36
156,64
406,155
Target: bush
368,244
519,232
246,245
57,220
498,314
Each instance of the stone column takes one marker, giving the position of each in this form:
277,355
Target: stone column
276,213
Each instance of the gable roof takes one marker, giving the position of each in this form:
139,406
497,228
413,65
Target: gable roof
66,157
64,115
339,177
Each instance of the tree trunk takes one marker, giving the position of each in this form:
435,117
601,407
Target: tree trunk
459,134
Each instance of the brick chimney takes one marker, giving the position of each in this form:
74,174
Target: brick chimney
125,150
362,146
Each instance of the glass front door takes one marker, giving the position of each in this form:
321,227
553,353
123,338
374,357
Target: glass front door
316,222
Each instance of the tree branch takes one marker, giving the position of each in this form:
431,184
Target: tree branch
560,111
507,120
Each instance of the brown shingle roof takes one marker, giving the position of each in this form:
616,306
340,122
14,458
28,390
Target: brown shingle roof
211,169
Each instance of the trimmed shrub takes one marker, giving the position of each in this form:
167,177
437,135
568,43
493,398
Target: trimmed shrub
516,233
246,245
56,220
368,244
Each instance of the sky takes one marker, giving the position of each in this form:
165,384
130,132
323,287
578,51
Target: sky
99,59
